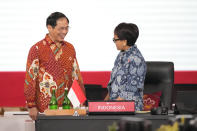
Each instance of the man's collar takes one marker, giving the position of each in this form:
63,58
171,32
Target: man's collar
49,41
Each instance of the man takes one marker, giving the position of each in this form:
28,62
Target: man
51,64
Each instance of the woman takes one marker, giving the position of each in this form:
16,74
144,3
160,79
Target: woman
128,73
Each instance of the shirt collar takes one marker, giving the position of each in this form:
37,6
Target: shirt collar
49,41
129,50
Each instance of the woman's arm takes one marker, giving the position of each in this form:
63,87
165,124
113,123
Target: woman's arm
107,97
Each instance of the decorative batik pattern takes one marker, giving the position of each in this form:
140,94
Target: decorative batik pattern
50,65
33,70
74,73
127,77
47,84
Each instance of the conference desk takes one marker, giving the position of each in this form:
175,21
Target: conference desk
16,123
91,122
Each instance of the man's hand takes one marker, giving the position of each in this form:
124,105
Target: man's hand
33,112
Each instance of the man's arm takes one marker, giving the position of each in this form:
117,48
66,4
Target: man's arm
32,69
77,75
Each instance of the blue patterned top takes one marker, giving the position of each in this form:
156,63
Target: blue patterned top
127,77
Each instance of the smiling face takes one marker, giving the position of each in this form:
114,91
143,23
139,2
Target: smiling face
59,32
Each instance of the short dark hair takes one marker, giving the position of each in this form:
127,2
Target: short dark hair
52,19
127,31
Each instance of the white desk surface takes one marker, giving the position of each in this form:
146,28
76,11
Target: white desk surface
16,123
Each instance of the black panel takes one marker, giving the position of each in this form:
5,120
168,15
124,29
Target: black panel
185,97
95,92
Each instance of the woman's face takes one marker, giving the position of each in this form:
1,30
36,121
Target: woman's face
120,44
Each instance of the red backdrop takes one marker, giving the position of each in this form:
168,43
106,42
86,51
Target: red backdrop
11,93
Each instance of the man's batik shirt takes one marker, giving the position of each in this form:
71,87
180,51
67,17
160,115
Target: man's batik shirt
50,66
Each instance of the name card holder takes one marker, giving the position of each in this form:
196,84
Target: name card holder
111,107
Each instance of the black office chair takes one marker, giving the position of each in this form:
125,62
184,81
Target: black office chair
95,92
160,78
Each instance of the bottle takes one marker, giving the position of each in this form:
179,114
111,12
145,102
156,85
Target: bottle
66,102
53,102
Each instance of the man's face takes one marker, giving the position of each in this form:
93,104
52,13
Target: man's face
59,32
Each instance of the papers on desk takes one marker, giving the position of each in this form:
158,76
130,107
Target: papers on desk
11,113
142,112
17,122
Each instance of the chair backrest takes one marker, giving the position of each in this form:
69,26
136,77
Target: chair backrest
95,92
160,78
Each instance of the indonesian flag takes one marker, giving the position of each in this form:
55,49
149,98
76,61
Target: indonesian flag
76,94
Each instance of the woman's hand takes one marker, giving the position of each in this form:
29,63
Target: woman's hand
107,97
119,99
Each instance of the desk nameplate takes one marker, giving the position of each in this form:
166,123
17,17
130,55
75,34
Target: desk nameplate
111,106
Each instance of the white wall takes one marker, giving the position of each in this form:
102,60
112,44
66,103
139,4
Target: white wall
168,30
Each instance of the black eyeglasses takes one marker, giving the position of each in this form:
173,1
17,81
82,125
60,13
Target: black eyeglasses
114,40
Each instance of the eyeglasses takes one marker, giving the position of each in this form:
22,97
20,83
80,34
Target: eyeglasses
64,28
114,40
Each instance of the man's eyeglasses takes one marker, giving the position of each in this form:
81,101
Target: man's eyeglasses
114,40
64,28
